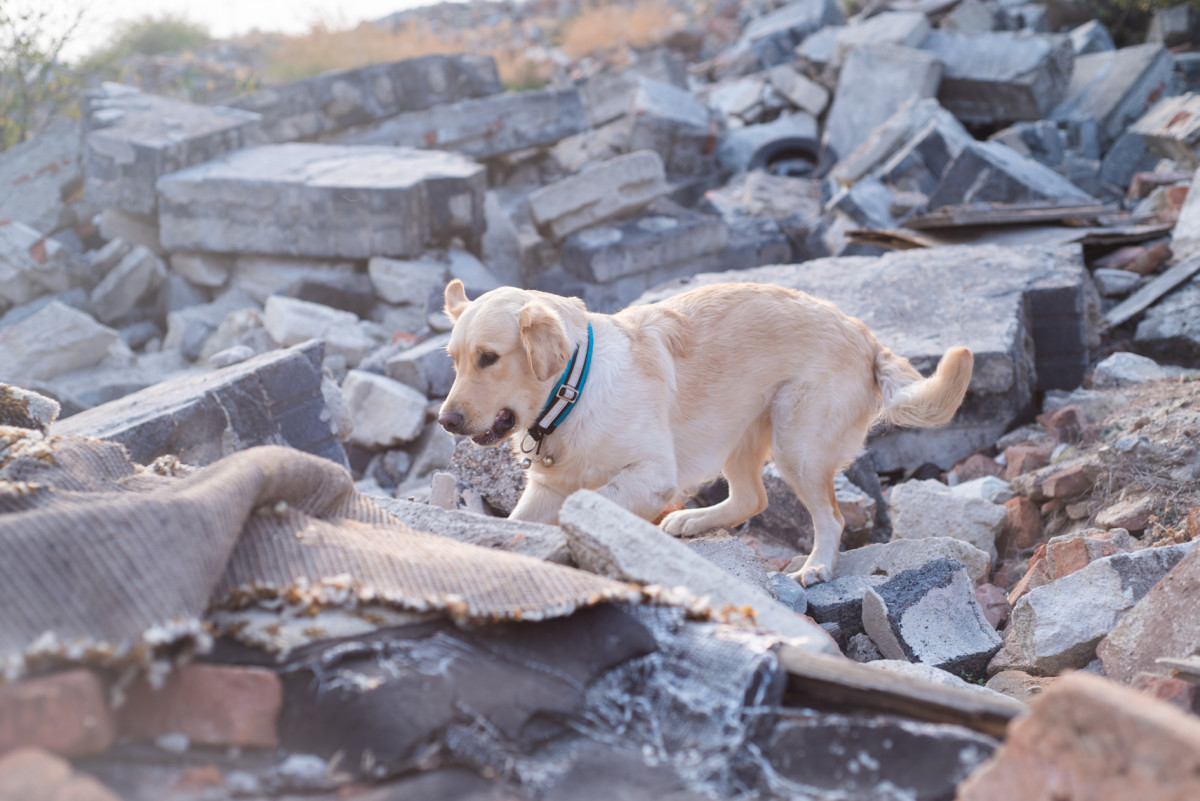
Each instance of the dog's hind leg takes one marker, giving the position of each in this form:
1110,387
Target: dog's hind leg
747,496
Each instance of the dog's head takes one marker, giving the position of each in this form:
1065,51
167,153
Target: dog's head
509,347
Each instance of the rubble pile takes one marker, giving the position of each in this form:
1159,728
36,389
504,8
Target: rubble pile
193,281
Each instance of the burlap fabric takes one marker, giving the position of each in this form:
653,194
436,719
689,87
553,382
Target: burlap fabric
108,562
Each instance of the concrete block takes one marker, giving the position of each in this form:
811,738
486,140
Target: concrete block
260,277
970,16
290,321
274,398
323,201
675,124
54,340
132,283
202,269
930,615
1171,129
890,136
989,172
386,413
736,558
920,164
840,602
773,37
1126,369
189,329
409,282
876,80
136,229
893,558
24,408
131,139
31,264
482,128
903,28
39,176
805,94
65,712
1001,77
1090,37
1171,328
337,100
426,367
606,95
923,509
608,190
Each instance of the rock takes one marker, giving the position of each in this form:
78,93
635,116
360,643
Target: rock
928,673
675,124
1088,738
1162,624
39,175
386,413
131,139
1058,625
202,269
29,773
290,321
840,602
772,37
65,712
736,558
483,128
919,165
1173,26
238,353
994,604
608,540
611,189
426,367
889,137
788,592
875,757
1115,283
1090,37
803,93
406,281
1063,425
337,100
923,509
892,558
1125,369
432,451
985,488
323,201
1181,694
23,408
492,472
189,329
31,265
54,340
890,75
1132,514
1170,329
134,280
989,172
1069,482
903,28
606,95
1116,87
1125,158
1023,523
862,650
274,398
136,229
221,705
930,615
1019,685
548,543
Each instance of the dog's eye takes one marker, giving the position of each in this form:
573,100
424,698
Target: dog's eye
488,359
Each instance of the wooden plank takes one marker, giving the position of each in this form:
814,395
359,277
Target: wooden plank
890,238
1142,299
970,214
1187,669
826,681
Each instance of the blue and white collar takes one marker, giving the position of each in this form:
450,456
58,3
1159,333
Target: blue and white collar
562,400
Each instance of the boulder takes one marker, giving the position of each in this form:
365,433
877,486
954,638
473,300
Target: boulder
608,190
54,340
1124,369
923,509
675,124
410,282
426,367
386,413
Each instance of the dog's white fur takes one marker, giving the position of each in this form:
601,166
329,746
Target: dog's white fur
716,380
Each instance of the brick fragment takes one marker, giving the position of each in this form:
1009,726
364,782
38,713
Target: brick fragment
1024,458
66,713
1023,524
1068,482
1065,424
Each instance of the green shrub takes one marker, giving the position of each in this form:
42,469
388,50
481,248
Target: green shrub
166,33
35,84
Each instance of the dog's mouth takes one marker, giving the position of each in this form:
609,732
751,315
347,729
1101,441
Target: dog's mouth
504,423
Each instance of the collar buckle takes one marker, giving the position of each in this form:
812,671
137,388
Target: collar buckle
568,393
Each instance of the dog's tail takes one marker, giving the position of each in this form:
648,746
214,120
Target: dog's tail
910,400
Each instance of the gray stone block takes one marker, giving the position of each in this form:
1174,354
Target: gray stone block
773,37
930,615
989,172
130,284
426,367
1116,87
291,321
1128,155
131,139
895,557
31,265
840,602
675,124
482,128
409,282
903,28
922,509
337,100
26,409
1172,129
608,190
788,592
323,201
189,329
1091,37
736,558
1171,328
386,413
1001,78
38,175
875,82
606,95
920,164
890,136
54,340
270,399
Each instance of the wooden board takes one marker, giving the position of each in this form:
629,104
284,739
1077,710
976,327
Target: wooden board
970,214
1142,299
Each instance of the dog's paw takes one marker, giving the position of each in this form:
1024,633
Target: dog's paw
686,523
812,573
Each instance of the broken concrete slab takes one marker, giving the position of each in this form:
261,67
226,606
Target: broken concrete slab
406,281
919,165
131,139
802,92
1000,78
1058,625
1172,129
923,509
1116,88
892,558
54,340
274,398
548,543
773,37
903,28
989,172
337,100
606,96
930,615
608,190
840,602
1090,37
323,201
1171,328
426,367
260,277
31,265
483,128
386,413
40,175
890,136
606,539
674,123
736,558
202,269
890,75
128,285
291,321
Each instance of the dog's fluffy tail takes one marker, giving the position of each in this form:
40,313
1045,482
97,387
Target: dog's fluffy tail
910,400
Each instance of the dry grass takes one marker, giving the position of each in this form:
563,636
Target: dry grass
611,25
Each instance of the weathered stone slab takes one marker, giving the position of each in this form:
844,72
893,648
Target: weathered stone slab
1172,128
274,398
736,558
483,128
54,340
385,412
675,124
290,321
608,190
31,265
890,136
133,281
802,92
426,367
923,509
341,99
26,409
131,139
1171,328
989,172
921,163
903,28
1090,37
893,558
1001,77
773,37
532,539
1116,87
406,281
875,82
606,96
840,602
1027,303
323,201
38,176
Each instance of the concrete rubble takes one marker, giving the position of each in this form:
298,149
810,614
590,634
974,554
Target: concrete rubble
193,278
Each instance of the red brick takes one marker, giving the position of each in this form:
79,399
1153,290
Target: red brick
1023,526
1065,424
63,712
1176,195
1176,692
1150,259
976,466
211,704
1067,556
996,607
1036,574
1068,482
1020,459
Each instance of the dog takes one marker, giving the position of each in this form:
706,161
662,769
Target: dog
713,381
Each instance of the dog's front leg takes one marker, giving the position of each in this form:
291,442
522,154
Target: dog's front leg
539,503
644,488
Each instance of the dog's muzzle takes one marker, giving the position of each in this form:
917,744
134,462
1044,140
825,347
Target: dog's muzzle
501,427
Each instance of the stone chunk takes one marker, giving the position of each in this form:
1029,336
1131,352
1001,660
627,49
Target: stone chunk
840,602
482,128
426,367
800,91
66,713
606,539
1171,327
1115,88
895,557
337,100
903,28
1124,369
291,321
930,615
989,172
1172,129
608,190
736,558
676,125
532,539
54,340
1088,738
25,409
386,413
923,509
272,399
218,705
31,265
323,201
406,282
1090,37
891,135
921,163
1000,78
132,282
773,37
38,176
131,139
1058,625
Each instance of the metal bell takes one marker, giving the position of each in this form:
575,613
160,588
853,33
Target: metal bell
548,461
526,463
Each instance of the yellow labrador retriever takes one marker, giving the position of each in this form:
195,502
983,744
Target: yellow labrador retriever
651,402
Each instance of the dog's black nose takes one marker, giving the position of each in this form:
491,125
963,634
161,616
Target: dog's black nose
451,421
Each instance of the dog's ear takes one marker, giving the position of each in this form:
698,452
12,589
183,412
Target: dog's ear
544,339
456,300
